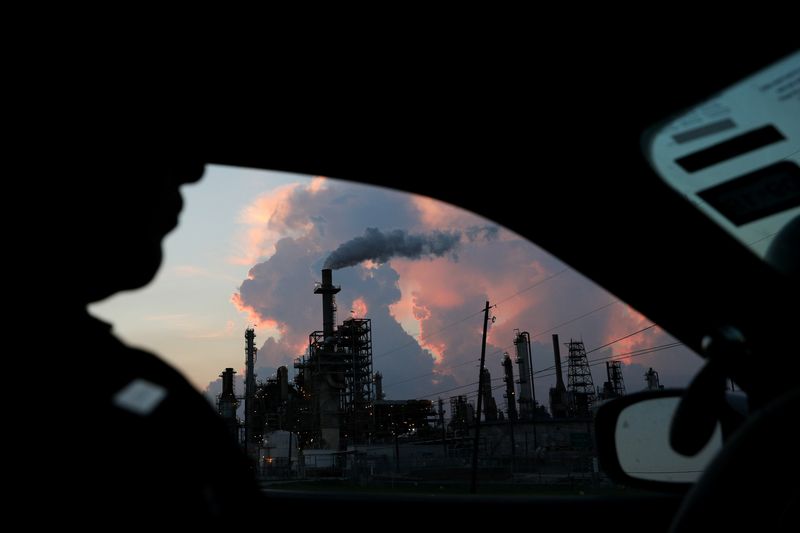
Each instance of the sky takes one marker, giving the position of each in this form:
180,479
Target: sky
250,246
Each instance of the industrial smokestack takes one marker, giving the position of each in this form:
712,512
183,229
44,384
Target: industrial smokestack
557,355
559,399
327,290
227,382
250,351
490,412
283,382
228,403
511,404
378,386
522,342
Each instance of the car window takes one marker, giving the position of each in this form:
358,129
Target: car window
357,313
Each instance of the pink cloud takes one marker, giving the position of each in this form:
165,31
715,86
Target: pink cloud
359,308
439,301
254,317
623,321
434,214
272,216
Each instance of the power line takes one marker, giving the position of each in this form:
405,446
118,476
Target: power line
461,387
634,353
502,350
548,278
474,394
597,361
431,373
609,304
417,340
593,362
620,339
637,353
505,348
450,390
601,347
595,310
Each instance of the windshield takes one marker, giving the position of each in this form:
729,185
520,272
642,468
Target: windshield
338,328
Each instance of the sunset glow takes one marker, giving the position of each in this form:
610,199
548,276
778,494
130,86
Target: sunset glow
426,312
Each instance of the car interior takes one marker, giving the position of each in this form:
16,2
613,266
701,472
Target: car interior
655,163
579,133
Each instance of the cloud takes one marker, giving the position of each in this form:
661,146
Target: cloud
275,215
426,315
359,308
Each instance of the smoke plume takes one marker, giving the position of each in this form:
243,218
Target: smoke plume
381,247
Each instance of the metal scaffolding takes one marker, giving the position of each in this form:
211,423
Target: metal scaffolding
615,386
579,380
461,414
337,376
355,343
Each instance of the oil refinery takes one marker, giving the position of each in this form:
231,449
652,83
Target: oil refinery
333,419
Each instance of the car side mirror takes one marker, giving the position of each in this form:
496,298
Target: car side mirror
633,443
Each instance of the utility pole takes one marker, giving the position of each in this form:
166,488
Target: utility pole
444,430
474,485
